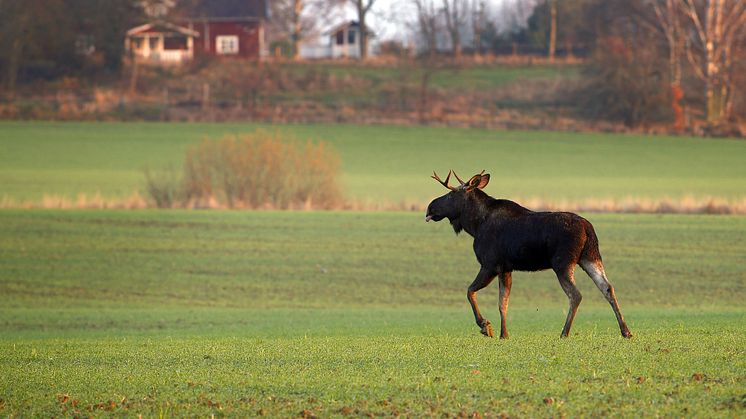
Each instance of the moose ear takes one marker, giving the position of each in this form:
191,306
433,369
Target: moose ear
478,181
483,181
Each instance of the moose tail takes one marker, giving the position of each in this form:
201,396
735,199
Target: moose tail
590,250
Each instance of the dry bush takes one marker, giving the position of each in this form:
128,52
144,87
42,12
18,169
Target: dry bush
164,188
261,170
95,201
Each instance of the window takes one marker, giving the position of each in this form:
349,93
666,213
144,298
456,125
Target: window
226,44
173,42
340,37
351,36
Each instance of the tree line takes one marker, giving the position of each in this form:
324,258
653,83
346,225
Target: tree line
648,60
687,54
645,60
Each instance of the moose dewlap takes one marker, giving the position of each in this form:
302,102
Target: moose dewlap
509,237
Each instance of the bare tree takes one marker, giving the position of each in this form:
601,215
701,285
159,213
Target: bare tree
297,27
478,19
669,20
14,18
668,16
297,20
718,25
363,7
427,24
455,13
552,29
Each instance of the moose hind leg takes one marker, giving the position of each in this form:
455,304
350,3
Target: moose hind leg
567,281
506,281
484,278
595,269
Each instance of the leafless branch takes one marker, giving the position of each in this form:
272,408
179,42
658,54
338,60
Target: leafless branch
693,61
691,10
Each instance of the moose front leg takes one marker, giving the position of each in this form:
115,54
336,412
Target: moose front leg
506,281
484,277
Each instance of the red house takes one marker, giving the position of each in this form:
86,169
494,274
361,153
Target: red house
221,28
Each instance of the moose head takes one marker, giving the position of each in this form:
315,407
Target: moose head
453,204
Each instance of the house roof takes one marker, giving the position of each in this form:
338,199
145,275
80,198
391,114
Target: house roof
223,9
162,26
343,25
349,24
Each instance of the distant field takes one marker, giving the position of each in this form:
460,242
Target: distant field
337,259
188,313
478,77
384,164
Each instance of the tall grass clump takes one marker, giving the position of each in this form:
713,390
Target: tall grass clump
261,170
164,187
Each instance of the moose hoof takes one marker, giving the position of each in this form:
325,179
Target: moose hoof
487,329
627,334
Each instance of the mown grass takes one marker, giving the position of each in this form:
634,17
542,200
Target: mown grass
696,369
179,313
336,259
383,164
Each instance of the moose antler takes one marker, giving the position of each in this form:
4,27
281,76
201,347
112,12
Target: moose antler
453,188
436,177
459,179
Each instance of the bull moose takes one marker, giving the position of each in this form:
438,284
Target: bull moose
509,237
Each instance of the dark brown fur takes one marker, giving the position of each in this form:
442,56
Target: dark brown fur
509,237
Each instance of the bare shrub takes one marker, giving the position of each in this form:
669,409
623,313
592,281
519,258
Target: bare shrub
261,170
164,188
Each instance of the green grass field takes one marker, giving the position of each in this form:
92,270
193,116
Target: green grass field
225,313
383,164
188,313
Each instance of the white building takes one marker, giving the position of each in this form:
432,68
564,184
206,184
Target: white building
343,41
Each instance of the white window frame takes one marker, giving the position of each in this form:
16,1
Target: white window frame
226,44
